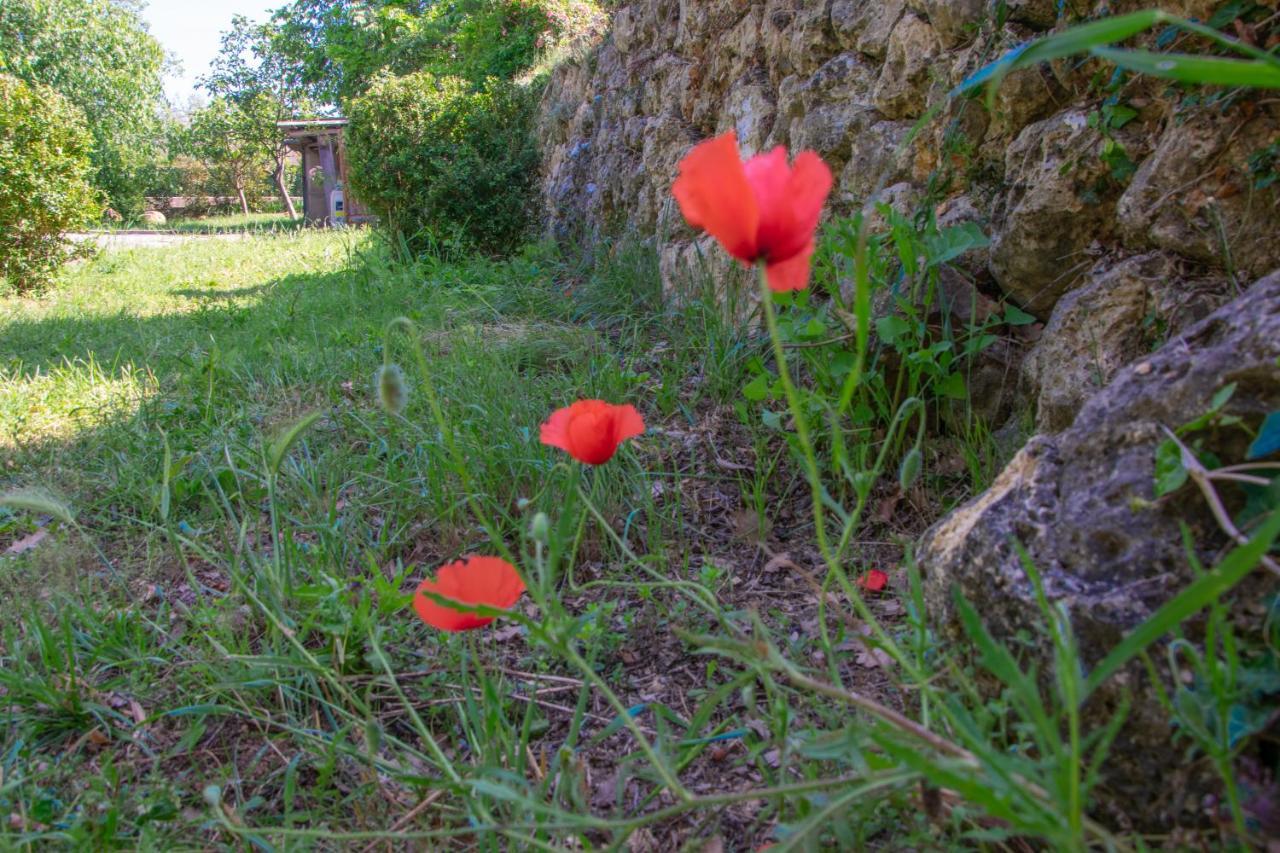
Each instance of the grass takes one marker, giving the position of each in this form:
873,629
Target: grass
208,641
143,391
220,224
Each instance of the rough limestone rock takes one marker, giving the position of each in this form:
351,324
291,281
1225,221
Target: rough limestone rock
955,21
901,90
1120,314
866,24
1082,503
1053,212
154,217
1195,194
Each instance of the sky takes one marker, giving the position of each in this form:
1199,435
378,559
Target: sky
191,30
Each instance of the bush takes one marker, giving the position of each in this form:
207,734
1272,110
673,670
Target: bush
445,162
44,183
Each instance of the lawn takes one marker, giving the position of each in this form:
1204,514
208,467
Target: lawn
220,652
230,223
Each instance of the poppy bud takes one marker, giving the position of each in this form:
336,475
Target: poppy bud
392,388
540,528
909,470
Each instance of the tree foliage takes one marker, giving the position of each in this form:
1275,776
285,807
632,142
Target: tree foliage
255,79
444,161
225,136
339,46
44,186
99,55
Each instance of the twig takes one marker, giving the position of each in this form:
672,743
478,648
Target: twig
1203,478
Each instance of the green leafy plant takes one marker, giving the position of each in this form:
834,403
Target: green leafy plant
44,183
446,163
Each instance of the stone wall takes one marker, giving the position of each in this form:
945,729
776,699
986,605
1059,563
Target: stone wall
849,78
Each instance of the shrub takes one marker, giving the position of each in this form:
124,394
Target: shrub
445,162
44,183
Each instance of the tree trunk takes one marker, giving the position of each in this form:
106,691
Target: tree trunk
284,191
244,202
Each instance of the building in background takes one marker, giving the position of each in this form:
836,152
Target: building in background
326,196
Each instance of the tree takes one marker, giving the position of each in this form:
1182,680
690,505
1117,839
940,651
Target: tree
99,56
250,74
44,182
224,136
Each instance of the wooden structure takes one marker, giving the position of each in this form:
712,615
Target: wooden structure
324,171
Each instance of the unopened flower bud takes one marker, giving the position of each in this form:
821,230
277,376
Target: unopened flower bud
540,528
393,389
909,469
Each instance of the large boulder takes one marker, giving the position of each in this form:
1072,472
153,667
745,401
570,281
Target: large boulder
1082,503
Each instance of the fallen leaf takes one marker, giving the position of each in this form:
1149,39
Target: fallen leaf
26,543
509,632
871,658
892,607
885,509
779,562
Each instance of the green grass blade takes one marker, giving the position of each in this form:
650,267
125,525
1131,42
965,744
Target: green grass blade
280,447
1189,68
1205,590
1068,43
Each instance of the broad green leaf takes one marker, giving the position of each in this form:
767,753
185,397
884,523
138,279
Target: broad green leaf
1015,316
953,386
952,242
1190,68
757,389
1170,473
890,328
1268,440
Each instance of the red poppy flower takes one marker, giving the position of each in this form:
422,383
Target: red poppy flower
591,430
490,581
761,210
873,581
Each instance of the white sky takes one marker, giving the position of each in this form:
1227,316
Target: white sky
191,30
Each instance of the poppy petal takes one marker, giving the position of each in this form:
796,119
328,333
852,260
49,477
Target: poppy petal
791,274
714,195
790,199
627,423
873,581
808,189
487,581
555,432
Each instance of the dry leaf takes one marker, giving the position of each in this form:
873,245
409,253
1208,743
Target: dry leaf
778,562
885,509
26,543
873,658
